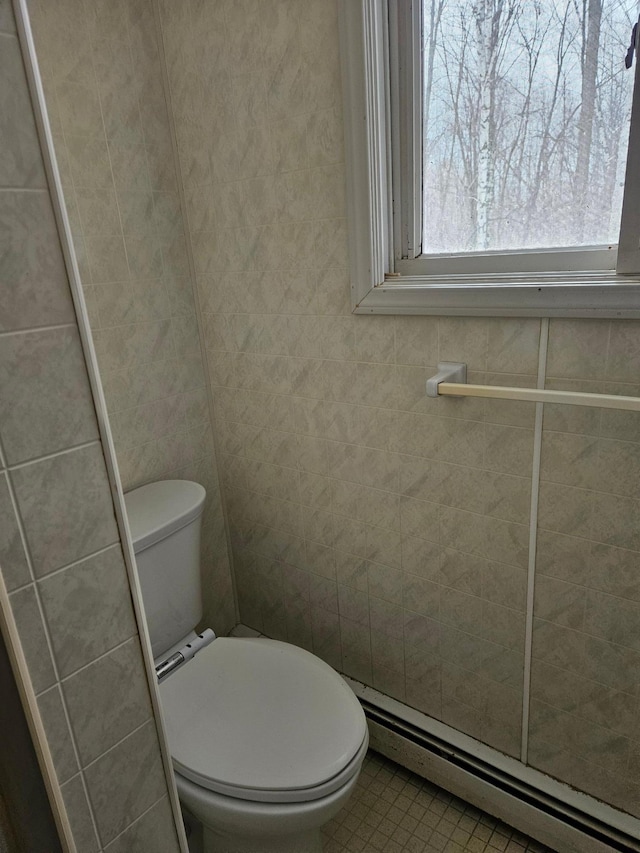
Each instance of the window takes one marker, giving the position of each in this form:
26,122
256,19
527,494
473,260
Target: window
493,154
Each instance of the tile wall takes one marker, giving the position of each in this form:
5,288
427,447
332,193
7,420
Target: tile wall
60,552
105,97
384,531
586,650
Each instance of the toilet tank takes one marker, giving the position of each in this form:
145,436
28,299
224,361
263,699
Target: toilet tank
165,519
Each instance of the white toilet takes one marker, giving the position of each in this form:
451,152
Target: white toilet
267,740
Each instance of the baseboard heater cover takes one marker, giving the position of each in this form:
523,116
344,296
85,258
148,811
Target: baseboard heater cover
590,827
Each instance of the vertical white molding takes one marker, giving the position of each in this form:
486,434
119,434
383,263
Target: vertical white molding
36,90
533,532
365,89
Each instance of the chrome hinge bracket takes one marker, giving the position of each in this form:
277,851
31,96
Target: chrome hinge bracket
183,654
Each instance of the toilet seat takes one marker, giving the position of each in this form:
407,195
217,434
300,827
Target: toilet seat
262,720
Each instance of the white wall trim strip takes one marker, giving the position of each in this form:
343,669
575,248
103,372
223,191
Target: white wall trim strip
533,535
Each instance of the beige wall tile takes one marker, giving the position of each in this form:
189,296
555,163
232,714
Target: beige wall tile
559,646
66,507
623,358
117,137
125,782
35,291
416,339
154,830
424,693
504,585
7,23
513,345
576,349
15,569
570,459
614,570
554,686
503,626
88,609
21,161
560,602
58,735
79,814
325,635
618,424
508,449
563,557
566,510
384,582
612,665
44,385
612,618
26,612
101,685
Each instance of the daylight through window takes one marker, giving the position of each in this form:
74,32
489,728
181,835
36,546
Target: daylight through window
493,156
526,110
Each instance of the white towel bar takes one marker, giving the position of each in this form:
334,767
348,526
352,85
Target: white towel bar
450,371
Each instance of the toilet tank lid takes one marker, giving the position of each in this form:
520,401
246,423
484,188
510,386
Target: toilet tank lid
159,509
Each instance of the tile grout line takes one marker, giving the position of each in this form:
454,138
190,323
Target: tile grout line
35,329
63,568
74,563
533,532
139,818
55,455
149,720
33,190
85,666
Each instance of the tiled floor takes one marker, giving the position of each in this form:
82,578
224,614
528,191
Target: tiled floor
395,811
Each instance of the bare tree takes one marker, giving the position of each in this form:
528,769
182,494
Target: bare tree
432,29
592,22
492,19
528,106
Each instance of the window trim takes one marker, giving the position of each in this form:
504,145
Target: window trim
383,284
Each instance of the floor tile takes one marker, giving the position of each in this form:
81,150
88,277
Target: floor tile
394,811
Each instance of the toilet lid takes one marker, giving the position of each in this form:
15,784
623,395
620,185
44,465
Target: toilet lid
260,719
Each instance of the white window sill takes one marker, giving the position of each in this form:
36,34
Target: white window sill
595,294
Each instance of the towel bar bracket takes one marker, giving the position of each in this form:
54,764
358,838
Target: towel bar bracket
448,371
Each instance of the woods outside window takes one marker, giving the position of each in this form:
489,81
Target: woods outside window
493,156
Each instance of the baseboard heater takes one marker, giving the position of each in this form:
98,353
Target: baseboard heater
588,825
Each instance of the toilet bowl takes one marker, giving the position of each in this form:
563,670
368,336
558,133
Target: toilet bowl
242,826
267,740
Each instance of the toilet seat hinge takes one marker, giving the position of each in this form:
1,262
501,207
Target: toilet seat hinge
184,653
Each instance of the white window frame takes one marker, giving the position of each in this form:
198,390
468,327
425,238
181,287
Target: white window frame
385,277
